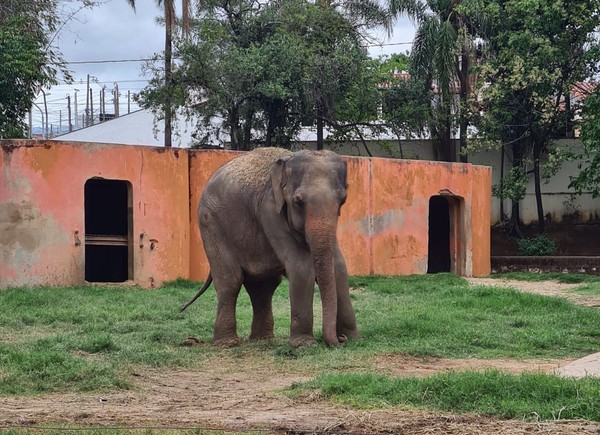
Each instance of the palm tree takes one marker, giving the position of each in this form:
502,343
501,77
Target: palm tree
443,50
360,15
169,7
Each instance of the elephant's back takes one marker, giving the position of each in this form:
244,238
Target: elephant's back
250,171
241,178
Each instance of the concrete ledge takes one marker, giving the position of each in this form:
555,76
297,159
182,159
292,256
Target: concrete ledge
570,264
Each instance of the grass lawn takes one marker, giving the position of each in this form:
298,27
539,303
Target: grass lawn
590,284
92,338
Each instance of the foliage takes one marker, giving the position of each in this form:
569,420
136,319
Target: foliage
588,178
90,338
265,69
528,396
540,245
21,55
530,64
512,186
30,61
406,106
444,51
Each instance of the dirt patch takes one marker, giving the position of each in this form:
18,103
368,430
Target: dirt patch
407,365
236,393
251,399
546,288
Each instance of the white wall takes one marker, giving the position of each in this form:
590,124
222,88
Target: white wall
558,200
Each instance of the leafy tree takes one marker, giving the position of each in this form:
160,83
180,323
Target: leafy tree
29,59
536,51
22,57
442,55
264,68
589,177
406,108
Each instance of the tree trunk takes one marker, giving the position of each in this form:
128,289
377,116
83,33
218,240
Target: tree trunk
463,76
537,151
168,108
247,133
233,128
319,128
502,185
515,215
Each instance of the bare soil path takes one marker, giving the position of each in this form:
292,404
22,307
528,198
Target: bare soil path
235,394
546,288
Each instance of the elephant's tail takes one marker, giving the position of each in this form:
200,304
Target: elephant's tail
200,292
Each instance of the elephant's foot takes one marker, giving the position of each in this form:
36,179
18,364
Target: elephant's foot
348,333
303,340
230,341
262,337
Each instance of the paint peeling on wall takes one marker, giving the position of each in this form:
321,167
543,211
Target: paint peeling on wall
383,227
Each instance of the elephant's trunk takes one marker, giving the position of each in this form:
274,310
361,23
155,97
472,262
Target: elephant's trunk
320,235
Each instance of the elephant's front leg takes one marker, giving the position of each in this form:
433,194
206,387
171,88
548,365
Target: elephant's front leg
261,296
301,276
346,319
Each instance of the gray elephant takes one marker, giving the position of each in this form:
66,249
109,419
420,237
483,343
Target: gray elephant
270,213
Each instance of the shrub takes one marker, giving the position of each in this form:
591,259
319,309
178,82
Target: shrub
540,245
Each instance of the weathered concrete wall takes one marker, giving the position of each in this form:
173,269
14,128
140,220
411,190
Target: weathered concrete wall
383,228
42,205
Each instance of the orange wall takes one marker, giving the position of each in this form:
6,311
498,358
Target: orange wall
42,205
383,228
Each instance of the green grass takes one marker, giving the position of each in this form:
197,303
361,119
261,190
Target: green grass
529,396
92,338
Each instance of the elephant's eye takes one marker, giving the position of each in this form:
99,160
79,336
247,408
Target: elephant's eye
298,201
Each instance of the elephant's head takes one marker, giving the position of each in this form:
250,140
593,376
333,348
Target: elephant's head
309,189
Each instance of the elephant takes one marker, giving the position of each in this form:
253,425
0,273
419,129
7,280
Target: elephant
271,213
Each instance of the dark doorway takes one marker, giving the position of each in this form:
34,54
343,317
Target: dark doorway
439,235
108,218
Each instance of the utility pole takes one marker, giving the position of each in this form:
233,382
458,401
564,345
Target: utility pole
116,99
75,112
91,108
102,104
128,102
69,112
87,102
46,111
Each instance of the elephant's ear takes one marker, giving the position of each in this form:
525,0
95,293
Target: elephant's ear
278,182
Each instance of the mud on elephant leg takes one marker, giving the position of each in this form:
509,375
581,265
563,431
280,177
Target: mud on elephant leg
261,296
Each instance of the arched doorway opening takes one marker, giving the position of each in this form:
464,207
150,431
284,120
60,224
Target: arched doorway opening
445,248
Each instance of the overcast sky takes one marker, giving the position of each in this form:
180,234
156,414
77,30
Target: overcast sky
114,32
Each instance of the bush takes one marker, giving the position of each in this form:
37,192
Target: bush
540,245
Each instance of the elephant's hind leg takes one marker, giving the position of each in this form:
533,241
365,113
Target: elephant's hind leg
227,280
261,296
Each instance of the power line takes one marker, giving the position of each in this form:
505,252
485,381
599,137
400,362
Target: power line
83,62
99,61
